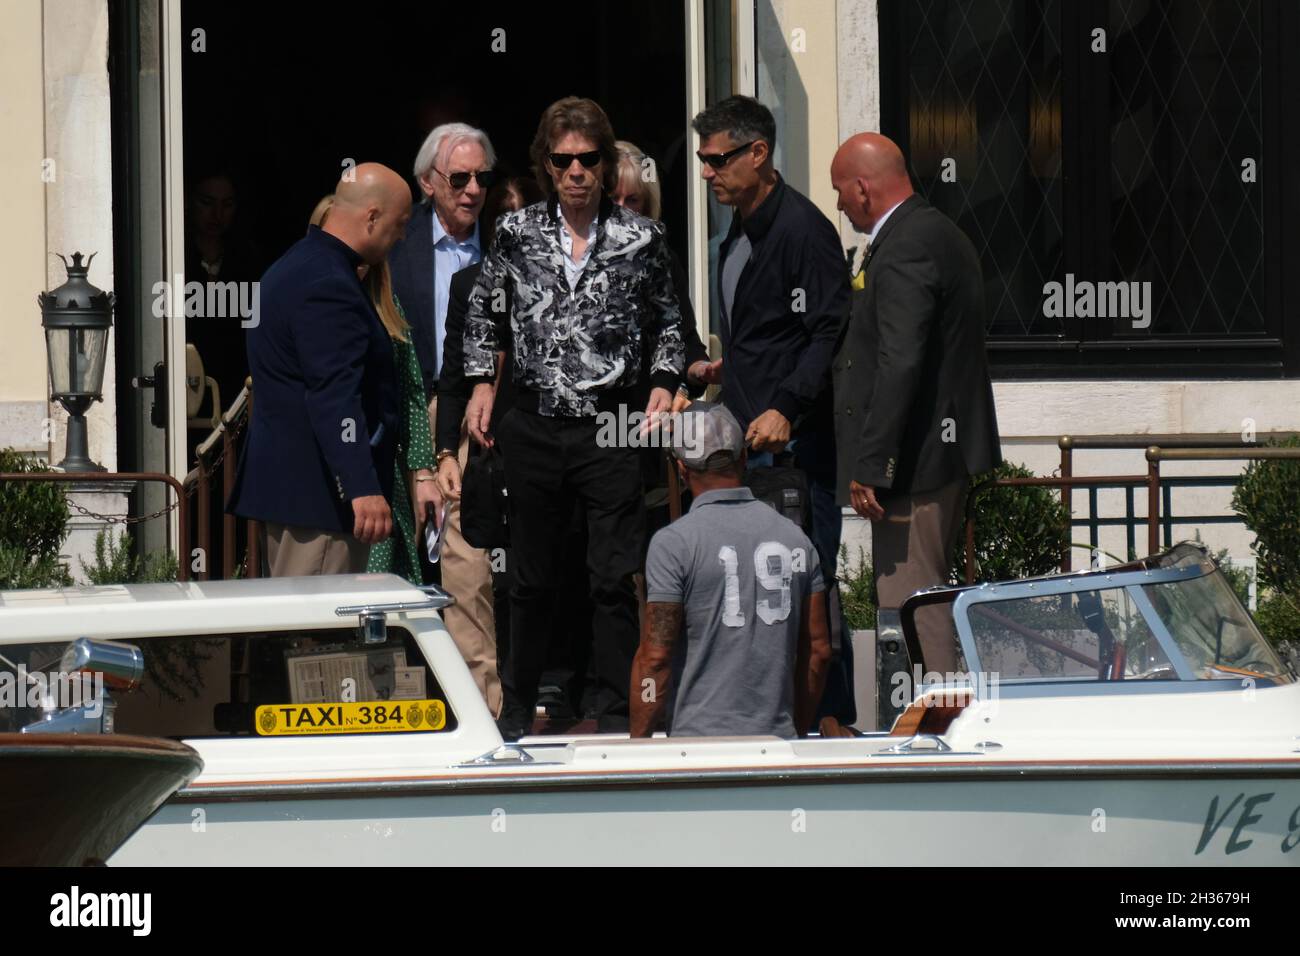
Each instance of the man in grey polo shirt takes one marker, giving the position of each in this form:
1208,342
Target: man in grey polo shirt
731,631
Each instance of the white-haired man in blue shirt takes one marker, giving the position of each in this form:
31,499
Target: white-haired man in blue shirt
454,169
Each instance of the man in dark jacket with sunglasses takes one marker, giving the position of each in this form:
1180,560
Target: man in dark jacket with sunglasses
783,293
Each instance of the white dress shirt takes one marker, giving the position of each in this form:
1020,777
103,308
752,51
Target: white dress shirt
880,223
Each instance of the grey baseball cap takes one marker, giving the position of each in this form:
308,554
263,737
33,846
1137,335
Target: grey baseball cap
707,437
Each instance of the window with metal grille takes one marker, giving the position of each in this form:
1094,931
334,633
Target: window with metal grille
1120,166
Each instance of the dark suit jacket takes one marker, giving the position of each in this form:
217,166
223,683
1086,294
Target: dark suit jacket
453,391
326,413
411,263
913,400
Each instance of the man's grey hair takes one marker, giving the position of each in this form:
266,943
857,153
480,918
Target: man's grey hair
442,140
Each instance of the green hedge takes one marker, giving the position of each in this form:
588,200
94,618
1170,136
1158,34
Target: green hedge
857,590
1267,499
33,526
116,564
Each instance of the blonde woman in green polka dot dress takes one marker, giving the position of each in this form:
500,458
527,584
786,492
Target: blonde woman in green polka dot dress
398,552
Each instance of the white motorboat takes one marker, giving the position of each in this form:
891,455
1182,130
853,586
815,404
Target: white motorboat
1128,716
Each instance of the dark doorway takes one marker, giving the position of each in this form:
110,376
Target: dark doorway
276,97
284,93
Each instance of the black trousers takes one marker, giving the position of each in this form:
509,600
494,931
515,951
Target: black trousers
570,649
550,464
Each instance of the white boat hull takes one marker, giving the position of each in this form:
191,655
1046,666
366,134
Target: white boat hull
1185,751
918,816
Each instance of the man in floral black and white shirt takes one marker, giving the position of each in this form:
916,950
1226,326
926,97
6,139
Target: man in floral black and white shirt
588,287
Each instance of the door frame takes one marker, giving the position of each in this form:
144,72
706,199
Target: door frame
173,187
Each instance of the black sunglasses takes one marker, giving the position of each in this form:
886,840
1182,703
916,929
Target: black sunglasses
565,160
484,178
718,160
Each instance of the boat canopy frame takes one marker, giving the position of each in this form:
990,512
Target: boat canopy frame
1183,562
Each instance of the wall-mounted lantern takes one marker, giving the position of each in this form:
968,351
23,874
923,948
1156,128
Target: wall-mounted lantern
77,318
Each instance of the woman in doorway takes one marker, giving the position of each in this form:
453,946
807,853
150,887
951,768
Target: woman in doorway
638,190
415,479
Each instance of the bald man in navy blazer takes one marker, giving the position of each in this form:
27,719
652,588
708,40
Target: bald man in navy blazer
318,468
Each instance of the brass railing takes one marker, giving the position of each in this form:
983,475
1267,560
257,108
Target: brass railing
1065,483
217,451
112,477
1156,485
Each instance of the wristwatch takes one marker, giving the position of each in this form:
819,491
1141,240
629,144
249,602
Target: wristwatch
445,453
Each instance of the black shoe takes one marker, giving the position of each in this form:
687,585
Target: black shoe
514,722
552,700
511,730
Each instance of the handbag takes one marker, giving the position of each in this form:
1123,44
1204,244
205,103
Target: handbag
484,511
785,488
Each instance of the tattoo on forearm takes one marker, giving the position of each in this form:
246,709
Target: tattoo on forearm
663,624
651,671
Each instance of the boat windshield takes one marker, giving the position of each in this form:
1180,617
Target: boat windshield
1186,623
1213,631
1088,635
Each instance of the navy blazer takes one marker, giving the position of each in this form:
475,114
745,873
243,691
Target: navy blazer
326,409
411,265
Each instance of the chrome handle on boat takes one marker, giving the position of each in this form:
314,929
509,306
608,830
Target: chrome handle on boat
437,599
921,743
506,753
443,598
372,618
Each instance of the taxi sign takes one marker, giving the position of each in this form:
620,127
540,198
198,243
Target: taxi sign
361,717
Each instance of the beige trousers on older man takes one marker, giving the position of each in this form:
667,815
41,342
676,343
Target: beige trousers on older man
467,576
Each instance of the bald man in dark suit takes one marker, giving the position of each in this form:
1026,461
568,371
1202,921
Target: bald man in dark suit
913,401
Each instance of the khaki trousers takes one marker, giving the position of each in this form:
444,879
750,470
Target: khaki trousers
911,549
467,576
300,552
